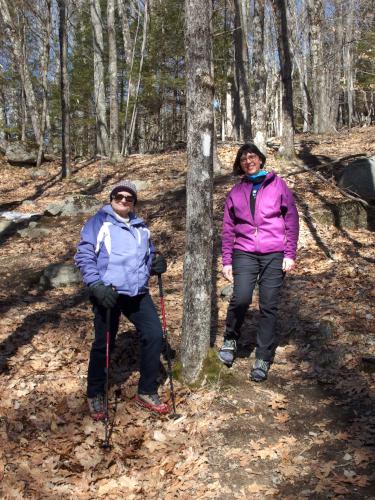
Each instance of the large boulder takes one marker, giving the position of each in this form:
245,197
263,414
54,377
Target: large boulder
58,275
74,205
19,153
359,177
347,214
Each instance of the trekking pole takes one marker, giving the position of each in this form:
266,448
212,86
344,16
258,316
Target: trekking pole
105,443
174,415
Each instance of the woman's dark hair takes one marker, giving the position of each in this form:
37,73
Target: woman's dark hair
246,148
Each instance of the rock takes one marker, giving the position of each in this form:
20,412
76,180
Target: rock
39,173
50,157
3,146
74,205
85,182
33,232
14,221
359,177
141,185
347,214
58,275
227,291
18,153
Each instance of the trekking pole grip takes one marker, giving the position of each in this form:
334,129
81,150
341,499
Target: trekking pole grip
160,283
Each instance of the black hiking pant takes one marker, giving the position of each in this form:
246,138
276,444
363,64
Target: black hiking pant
141,311
247,269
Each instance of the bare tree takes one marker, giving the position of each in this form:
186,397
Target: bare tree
64,89
99,87
242,115
199,188
260,77
287,137
46,28
130,136
112,73
16,44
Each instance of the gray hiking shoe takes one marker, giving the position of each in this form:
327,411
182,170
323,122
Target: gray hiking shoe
96,407
227,352
260,370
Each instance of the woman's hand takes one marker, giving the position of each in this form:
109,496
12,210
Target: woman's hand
288,264
228,273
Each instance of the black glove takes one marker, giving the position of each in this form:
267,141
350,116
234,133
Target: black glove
159,265
105,296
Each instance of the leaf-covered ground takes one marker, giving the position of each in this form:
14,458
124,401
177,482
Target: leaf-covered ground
308,432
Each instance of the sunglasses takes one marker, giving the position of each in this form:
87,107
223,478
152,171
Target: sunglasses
121,197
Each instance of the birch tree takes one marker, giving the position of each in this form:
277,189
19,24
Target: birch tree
99,86
199,211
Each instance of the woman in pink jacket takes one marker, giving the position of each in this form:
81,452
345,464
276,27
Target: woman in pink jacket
259,243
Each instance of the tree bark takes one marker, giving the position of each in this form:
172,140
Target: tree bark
113,86
260,77
23,68
242,114
129,143
44,70
287,136
199,189
64,89
99,87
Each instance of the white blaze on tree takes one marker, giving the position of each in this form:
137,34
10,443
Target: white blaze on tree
199,224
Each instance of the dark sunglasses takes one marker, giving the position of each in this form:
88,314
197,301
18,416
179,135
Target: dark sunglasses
120,197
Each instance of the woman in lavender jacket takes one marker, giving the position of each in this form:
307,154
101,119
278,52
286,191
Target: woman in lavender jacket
116,258
259,243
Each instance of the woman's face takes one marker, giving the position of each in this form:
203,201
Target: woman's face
250,163
123,203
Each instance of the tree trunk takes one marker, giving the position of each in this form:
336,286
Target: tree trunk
129,49
134,114
242,115
260,77
44,70
287,137
112,70
99,88
348,60
23,68
199,189
64,89
319,81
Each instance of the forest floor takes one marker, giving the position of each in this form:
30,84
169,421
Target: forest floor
307,432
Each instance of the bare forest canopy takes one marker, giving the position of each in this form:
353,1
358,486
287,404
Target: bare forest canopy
86,77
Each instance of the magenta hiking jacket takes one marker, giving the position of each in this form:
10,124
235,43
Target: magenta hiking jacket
274,227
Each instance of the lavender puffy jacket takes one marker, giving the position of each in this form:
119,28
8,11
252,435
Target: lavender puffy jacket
274,227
